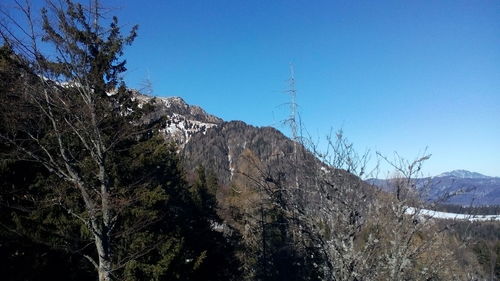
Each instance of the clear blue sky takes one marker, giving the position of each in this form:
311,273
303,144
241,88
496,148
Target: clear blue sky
395,75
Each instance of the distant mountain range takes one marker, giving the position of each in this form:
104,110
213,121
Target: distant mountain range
471,188
459,187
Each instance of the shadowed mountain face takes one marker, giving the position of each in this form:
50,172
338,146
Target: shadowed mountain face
471,188
239,154
233,148
230,149
459,187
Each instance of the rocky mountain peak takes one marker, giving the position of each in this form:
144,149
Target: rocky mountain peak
182,120
238,153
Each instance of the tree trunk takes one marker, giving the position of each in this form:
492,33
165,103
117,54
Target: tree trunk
104,266
104,270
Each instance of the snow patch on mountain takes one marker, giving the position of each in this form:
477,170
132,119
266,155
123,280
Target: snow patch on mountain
181,129
463,174
182,120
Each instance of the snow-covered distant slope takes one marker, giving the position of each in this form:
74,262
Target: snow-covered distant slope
462,174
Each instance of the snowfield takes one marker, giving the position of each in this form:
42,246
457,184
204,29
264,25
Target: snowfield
451,216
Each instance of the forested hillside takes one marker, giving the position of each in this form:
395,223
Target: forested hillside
99,181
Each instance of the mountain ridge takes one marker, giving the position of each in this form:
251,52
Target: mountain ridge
464,174
229,147
457,187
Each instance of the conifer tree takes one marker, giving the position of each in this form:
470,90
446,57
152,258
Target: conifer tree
74,119
101,184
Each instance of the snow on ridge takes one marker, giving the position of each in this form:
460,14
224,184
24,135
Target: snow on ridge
169,101
181,128
183,120
463,174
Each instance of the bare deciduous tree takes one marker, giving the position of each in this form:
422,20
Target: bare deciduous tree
365,233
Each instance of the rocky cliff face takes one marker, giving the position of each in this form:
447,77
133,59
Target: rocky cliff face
182,121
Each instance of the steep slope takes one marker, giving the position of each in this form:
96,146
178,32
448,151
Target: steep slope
182,121
226,148
233,148
240,155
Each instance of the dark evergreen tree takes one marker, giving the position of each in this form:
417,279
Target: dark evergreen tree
98,185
